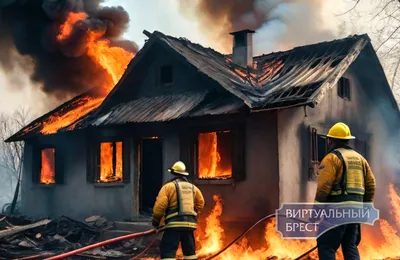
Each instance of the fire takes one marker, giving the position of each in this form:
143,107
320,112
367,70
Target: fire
110,162
47,169
68,25
83,106
210,161
380,241
114,60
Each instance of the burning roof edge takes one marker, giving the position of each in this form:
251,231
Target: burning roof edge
19,135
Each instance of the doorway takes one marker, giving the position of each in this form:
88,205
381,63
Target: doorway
151,173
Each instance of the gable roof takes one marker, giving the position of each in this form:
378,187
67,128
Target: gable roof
296,77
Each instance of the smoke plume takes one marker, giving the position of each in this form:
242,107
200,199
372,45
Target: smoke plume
280,24
28,33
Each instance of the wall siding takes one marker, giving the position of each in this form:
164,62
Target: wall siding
75,198
295,141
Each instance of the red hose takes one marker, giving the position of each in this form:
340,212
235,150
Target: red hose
103,243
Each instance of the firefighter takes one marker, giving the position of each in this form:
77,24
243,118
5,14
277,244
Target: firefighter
179,202
339,183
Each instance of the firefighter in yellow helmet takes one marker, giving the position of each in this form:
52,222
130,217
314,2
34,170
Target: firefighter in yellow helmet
179,202
344,176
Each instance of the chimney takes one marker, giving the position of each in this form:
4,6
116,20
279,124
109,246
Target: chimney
242,53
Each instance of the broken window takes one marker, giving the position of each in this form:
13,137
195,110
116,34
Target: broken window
214,160
344,88
110,162
47,166
166,75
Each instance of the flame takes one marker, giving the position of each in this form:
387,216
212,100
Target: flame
210,163
47,169
381,241
114,60
68,25
108,171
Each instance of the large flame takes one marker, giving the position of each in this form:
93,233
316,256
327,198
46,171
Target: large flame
114,60
47,168
380,241
210,161
110,162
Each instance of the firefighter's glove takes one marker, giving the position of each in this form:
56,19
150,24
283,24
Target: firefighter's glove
155,223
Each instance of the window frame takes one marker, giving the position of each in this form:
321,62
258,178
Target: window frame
37,165
98,162
314,133
344,88
196,155
93,161
160,75
189,154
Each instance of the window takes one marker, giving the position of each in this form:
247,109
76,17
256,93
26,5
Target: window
319,146
214,158
47,166
344,88
166,75
216,155
110,162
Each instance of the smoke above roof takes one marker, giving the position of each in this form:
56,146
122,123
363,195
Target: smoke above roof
280,24
28,33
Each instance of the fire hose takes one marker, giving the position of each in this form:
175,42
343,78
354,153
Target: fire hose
161,229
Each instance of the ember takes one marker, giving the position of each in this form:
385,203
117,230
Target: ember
111,162
215,160
47,169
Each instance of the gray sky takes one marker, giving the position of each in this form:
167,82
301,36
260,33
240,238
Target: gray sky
151,15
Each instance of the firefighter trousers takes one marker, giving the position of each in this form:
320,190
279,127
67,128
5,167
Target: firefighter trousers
348,236
170,243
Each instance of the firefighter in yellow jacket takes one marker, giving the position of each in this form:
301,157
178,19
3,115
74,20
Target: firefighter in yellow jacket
179,202
344,176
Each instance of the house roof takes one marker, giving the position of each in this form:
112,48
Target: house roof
296,77
166,108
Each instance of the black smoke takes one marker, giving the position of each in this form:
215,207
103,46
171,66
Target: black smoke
30,28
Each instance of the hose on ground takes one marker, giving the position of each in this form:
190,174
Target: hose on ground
249,229
239,237
161,229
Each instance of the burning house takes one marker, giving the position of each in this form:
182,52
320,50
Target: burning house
248,128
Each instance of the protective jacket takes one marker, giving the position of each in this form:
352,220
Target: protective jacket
179,202
345,175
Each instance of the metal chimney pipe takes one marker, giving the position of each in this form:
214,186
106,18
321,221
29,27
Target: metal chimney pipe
242,52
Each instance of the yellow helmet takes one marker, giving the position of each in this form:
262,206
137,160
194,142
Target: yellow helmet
340,131
178,168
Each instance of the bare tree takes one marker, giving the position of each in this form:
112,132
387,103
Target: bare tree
11,154
384,19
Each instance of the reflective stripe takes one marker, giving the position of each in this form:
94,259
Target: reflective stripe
356,190
190,257
171,215
167,258
181,224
